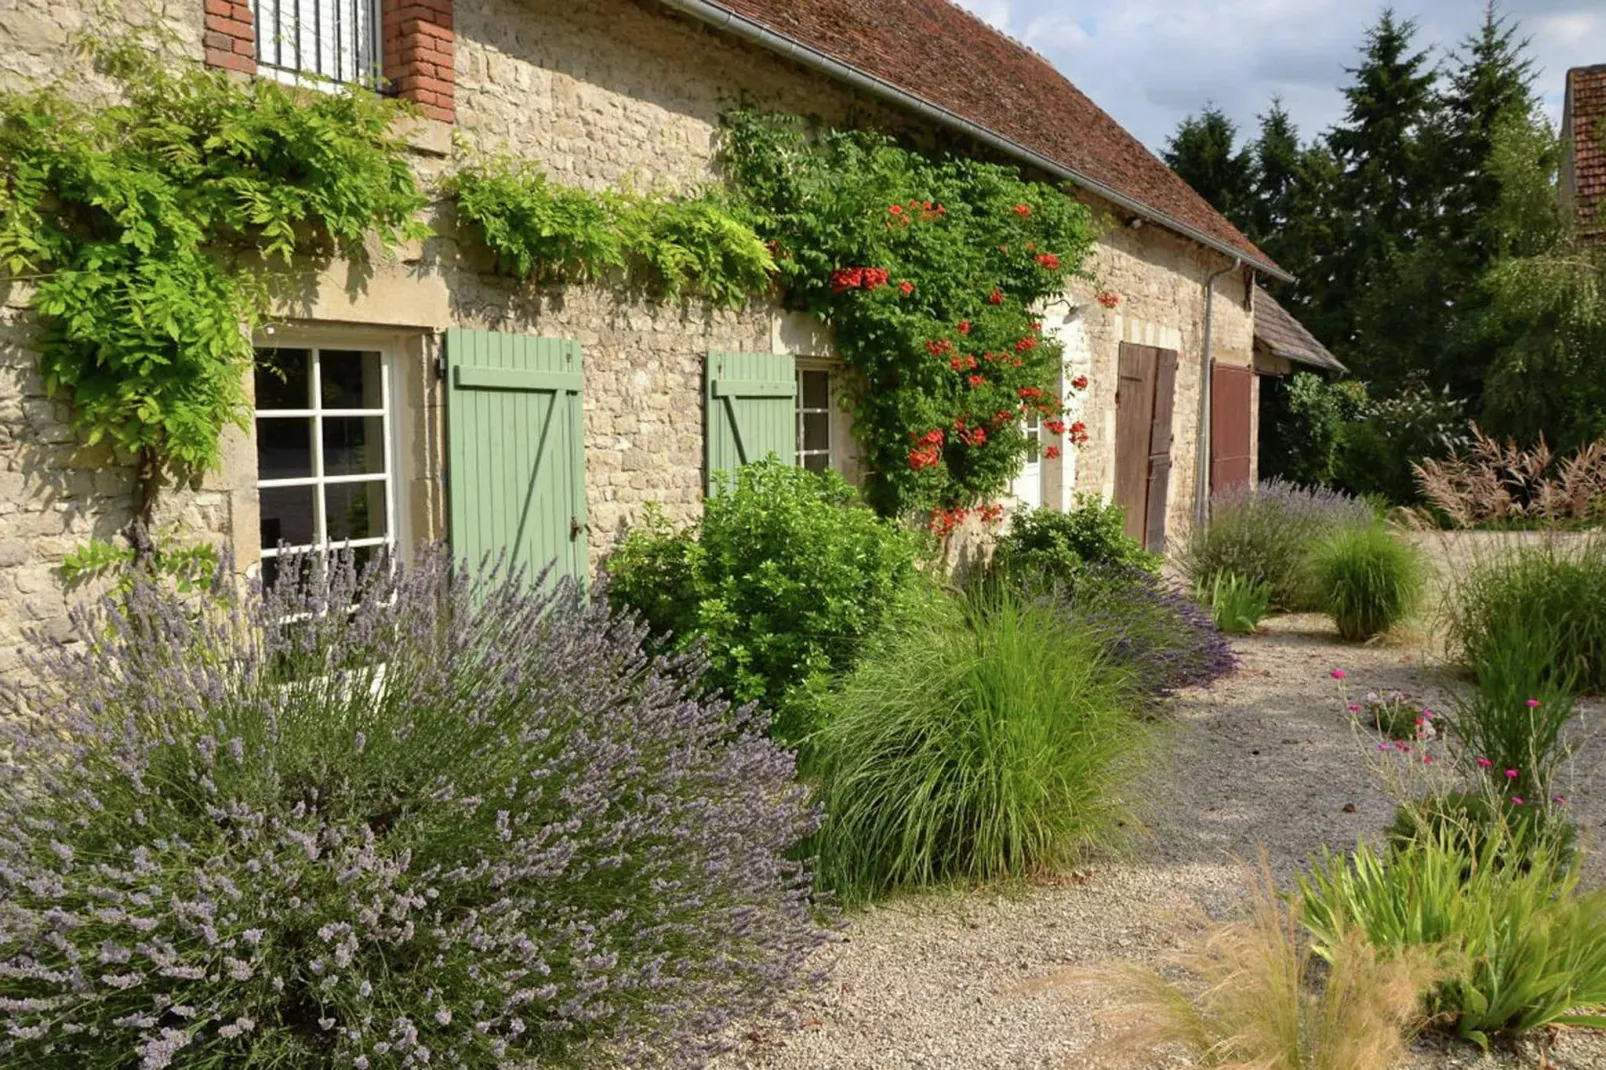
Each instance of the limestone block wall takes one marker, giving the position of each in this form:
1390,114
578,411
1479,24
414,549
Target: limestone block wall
1159,278
602,93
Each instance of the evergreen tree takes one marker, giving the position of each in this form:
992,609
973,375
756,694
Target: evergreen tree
1277,167
1204,152
1388,197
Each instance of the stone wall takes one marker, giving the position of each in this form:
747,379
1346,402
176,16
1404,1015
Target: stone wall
1159,278
602,93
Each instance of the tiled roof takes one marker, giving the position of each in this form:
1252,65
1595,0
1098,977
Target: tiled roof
1584,122
1280,332
945,57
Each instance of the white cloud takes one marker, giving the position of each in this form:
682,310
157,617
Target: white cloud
1151,62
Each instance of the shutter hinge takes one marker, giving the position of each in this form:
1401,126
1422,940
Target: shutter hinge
440,367
574,528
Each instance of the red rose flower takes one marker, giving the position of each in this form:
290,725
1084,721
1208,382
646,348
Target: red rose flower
1025,343
1080,382
1029,392
964,326
977,380
907,287
996,297
1051,452
1023,210
1048,260
896,209
1107,298
1056,426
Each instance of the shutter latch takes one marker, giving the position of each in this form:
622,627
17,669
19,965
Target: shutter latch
574,528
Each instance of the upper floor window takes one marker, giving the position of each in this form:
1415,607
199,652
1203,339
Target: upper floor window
308,41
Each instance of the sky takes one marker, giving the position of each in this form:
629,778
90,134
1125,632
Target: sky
1149,63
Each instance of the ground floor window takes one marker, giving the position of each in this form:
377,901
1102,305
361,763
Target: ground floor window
326,456
814,432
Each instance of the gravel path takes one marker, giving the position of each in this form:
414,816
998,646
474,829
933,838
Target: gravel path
1265,758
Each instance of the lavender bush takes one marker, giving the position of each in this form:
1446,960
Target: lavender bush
465,822
1162,636
1266,534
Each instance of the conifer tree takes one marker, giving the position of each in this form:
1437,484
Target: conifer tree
1205,153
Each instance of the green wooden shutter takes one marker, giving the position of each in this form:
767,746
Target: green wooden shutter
515,437
751,410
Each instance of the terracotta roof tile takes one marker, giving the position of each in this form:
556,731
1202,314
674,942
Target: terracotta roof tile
1280,332
936,51
1586,117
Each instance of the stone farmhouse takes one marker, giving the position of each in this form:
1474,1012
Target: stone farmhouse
436,399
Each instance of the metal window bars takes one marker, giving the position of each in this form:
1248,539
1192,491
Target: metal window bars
312,42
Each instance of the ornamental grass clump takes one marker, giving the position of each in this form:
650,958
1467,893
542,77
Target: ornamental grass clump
1367,579
414,817
1266,533
978,741
1256,995
1534,615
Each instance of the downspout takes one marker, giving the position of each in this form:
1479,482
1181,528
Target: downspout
1201,481
758,34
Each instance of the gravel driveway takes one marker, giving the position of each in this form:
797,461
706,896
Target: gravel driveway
1265,758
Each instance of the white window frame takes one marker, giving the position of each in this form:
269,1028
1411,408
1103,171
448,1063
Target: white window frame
282,41
830,451
389,352
1027,488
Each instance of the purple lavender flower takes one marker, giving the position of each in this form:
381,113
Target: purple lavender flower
409,816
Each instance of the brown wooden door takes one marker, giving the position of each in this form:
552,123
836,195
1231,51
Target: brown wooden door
1144,395
1230,444
1134,419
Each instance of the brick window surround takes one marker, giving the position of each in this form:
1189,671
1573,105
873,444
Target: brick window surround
416,42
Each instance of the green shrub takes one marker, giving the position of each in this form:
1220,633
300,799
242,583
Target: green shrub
978,740
1265,535
1534,616
1367,579
1531,946
1237,605
1051,547
782,582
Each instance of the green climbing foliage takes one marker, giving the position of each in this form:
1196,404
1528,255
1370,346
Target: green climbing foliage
933,271
157,228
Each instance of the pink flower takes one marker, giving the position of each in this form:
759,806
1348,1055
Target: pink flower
1427,714
1533,703
1337,674
1354,708
1383,746
1511,774
1427,759
1560,800
1516,800
1484,763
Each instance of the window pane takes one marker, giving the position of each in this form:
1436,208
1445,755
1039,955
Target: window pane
284,448
355,510
816,390
816,462
350,379
287,516
816,431
282,379
353,445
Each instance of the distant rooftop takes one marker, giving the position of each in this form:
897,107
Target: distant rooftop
1284,336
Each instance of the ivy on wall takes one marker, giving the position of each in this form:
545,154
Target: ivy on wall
549,233
157,230
929,267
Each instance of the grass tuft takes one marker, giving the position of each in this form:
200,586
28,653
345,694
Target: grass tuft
1257,997
980,740
1367,579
